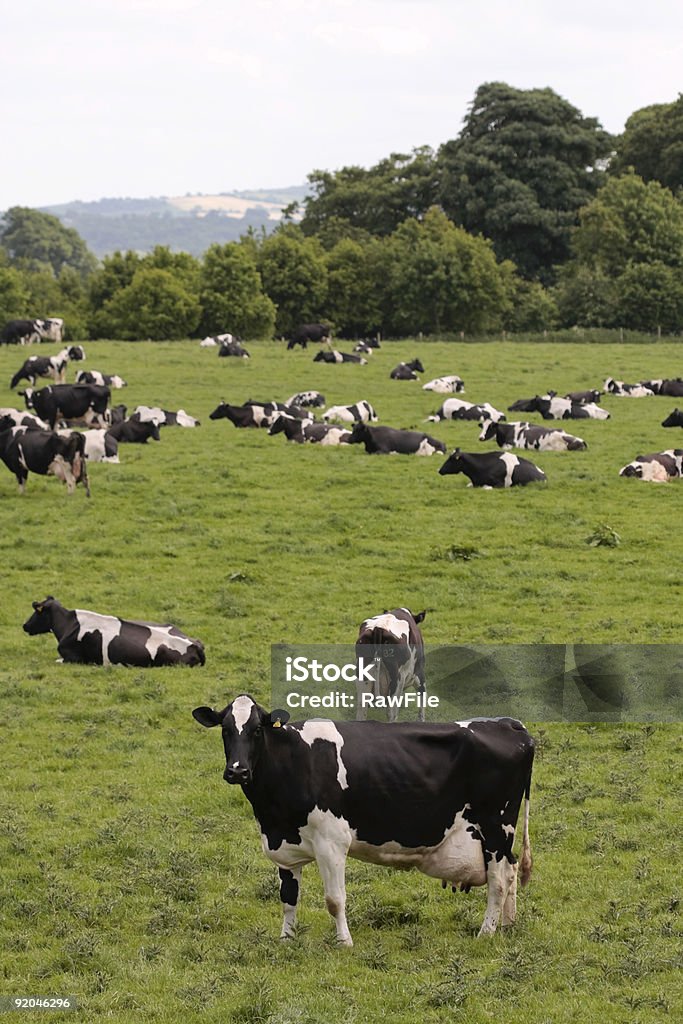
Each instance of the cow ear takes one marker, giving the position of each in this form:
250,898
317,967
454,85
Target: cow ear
420,616
279,718
207,717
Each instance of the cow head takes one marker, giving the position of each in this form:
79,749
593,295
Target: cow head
76,353
453,464
220,412
243,724
41,620
674,419
359,434
488,430
417,366
27,395
319,358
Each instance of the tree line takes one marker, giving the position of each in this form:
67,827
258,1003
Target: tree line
533,218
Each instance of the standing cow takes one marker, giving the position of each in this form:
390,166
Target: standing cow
27,450
394,643
309,332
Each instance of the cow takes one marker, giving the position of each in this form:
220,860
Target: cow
27,450
233,348
361,412
117,414
333,356
307,399
100,445
394,643
623,390
389,441
88,638
671,387
407,371
585,397
47,366
82,402
254,414
553,408
367,345
674,419
22,419
25,332
658,467
132,431
308,430
95,377
440,797
452,384
492,469
459,409
528,435
164,417
211,341
308,332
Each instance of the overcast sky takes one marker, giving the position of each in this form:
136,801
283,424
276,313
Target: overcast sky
163,97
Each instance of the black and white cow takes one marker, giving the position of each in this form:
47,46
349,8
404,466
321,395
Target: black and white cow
551,407
623,390
134,431
24,332
233,348
394,643
88,638
117,414
492,469
333,356
452,384
255,414
363,347
656,468
211,341
361,412
528,435
48,366
459,409
673,388
16,418
164,417
80,402
307,399
95,377
389,441
100,445
309,332
674,419
407,371
27,450
585,397
307,430
450,799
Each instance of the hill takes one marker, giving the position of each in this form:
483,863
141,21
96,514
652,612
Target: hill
190,223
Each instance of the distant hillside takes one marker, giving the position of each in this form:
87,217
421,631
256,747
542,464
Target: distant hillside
190,223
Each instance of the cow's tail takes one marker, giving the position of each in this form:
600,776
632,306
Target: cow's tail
526,860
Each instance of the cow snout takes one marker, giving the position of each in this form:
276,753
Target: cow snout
236,775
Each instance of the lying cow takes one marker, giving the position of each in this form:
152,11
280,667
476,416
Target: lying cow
394,643
27,450
211,341
553,408
308,332
255,414
407,371
47,366
440,797
585,397
85,403
95,377
361,412
164,417
307,399
389,441
459,409
623,390
528,435
100,445
16,418
451,384
88,638
672,388
333,356
233,348
492,469
307,430
658,467
674,419
134,431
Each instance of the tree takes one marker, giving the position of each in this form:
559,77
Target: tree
354,287
650,296
117,272
184,267
231,293
524,164
652,144
294,276
14,300
39,241
154,305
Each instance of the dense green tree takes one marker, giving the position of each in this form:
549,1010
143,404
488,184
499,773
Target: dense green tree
524,164
650,297
154,305
652,144
117,272
231,293
355,277
39,241
533,307
294,275
184,267
14,299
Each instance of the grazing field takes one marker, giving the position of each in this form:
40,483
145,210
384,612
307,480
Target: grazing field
131,876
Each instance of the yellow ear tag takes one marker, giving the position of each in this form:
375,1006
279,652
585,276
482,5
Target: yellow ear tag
277,724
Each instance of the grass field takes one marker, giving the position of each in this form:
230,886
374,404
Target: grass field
132,877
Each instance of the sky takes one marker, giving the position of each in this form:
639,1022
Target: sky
168,97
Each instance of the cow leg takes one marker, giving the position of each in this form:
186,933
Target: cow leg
510,905
331,861
290,887
499,878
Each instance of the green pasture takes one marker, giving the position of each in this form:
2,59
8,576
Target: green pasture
131,876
